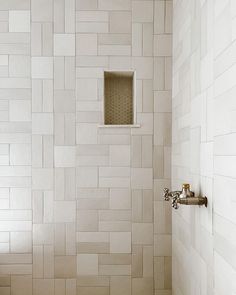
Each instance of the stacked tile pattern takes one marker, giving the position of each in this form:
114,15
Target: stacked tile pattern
15,148
204,145
81,208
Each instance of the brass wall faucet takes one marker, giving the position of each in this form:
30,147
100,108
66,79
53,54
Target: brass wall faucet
184,197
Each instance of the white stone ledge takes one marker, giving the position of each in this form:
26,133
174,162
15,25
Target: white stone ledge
119,126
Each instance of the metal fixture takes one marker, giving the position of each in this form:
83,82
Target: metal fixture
184,197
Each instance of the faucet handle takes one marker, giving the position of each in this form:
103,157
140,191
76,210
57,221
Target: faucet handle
175,204
166,195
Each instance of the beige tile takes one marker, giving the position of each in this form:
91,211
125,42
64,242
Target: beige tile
114,50
92,237
137,39
119,155
93,204
87,220
93,290
91,248
159,272
158,155
169,17
87,177
5,280
21,285
19,21
65,266
120,199
159,17
147,150
92,16
86,44
116,226
71,287
116,26
148,261
86,133
64,156
137,261
120,285
142,233
168,272
60,286
5,290
112,39
115,270
147,96
93,281
137,205
115,215
42,178
114,4
148,39
21,242
142,286
19,66
64,101
43,234
64,211
136,151
59,16
92,27
20,110
162,101
60,239
120,242
163,45
20,198
162,245
87,264
109,259
42,123
86,4
48,261
38,261
42,68
43,286
42,10
142,11
141,178
147,206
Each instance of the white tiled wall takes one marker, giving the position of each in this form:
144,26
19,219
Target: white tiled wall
204,145
81,206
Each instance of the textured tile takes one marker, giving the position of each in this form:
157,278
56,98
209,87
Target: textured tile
42,123
142,11
118,27
64,211
42,10
42,68
64,156
87,264
142,233
19,21
20,110
120,285
120,242
65,266
64,44
86,44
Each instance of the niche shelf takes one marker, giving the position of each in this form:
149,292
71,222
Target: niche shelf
119,98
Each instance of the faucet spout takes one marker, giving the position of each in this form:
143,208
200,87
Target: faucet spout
193,201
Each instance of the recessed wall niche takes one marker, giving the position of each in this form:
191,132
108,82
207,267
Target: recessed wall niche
119,96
